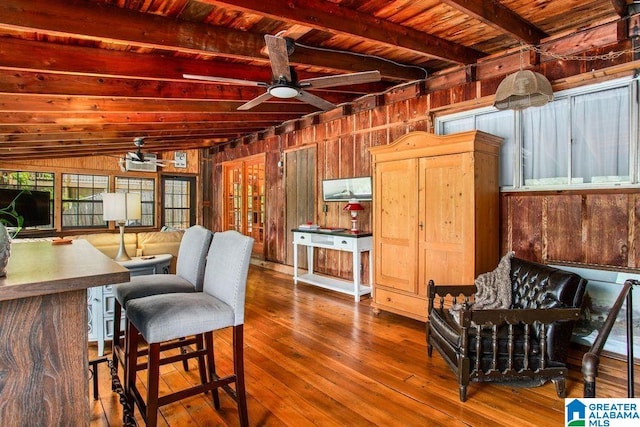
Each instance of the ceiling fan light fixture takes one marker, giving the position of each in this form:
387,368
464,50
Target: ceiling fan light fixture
523,89
284,91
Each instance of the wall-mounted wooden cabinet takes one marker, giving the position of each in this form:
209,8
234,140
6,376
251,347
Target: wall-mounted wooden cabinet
435,216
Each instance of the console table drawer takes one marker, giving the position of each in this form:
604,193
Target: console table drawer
325,241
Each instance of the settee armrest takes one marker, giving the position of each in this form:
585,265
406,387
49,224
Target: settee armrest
515,316
453,291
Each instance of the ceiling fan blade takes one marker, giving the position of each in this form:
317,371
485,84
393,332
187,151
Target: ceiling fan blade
132,155
279,57
255,101
342,79
316,101
222,80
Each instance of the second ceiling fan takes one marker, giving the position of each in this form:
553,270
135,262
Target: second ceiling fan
284,82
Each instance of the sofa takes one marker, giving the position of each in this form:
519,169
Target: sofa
137,244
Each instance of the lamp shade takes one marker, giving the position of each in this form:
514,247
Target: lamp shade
523,89
114,206
121,206
353,205
134,207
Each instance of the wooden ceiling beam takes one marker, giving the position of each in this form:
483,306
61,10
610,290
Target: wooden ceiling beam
71,119
43,57
498,16
94,22
29,82
39,138
111,151
331,17
65,104
133,128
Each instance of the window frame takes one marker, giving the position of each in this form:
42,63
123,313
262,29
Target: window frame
517,179
97,202
191,183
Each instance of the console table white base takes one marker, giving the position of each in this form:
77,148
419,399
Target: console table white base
354,243
334,284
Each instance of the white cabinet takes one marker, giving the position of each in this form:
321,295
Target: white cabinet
356,243
101,300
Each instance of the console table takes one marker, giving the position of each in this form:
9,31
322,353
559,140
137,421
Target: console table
102,301
356,243
43,318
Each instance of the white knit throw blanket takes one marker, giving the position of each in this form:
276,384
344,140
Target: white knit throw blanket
493,289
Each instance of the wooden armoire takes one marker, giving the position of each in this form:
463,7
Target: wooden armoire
435,216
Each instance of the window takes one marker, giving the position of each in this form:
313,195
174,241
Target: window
586,137
146,188
82,200
21,180
178,204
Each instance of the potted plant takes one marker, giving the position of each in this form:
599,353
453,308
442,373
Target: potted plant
9,217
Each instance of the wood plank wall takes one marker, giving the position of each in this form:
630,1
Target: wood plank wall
586,227
596,228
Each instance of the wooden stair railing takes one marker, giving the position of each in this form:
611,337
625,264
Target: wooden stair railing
591,359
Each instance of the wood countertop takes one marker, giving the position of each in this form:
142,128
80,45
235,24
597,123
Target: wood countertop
40,268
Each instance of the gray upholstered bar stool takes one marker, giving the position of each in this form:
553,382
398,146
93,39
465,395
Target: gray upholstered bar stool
189,276
161,318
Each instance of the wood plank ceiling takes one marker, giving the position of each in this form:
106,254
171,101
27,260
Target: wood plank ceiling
84,77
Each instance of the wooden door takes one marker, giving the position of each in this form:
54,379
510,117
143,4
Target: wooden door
255,198
395,221
300,182
244,199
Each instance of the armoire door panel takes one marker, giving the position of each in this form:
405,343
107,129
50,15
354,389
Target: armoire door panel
398,269
448,234
395,221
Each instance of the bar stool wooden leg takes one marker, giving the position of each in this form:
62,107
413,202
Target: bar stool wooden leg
238,364
153,380
118,341
131,359
202,365
208,336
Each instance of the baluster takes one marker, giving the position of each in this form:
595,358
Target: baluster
510,348
526,347
543,346
478,346
494,345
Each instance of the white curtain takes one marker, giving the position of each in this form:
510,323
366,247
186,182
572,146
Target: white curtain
574,139
545,146
499,123
600,127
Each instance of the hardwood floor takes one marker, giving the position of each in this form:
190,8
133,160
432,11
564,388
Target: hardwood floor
314,357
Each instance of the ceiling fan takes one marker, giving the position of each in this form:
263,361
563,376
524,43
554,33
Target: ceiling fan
140,158
284,82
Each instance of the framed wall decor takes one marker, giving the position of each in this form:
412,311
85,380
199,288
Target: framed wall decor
338,190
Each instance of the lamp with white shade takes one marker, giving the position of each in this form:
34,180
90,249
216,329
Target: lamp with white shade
121,207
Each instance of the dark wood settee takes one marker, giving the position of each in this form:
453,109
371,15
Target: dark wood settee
527,343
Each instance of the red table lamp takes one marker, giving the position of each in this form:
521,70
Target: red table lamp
353,207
